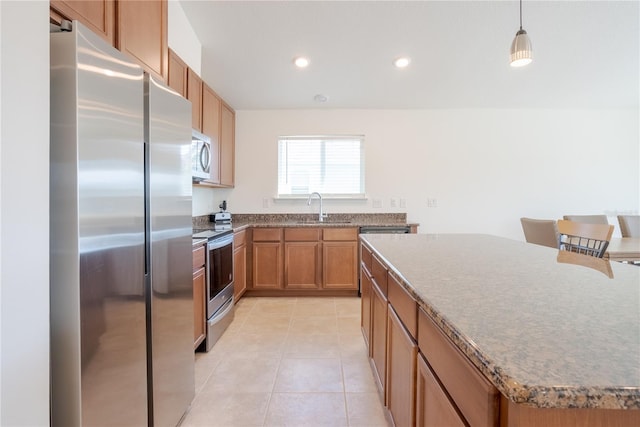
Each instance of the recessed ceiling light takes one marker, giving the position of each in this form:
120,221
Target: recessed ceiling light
402,62
301,61
320,98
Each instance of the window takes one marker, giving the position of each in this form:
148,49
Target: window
330,165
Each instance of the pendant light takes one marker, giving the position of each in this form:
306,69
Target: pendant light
520,47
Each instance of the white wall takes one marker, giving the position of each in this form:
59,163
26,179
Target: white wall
24,213
181,38
485,168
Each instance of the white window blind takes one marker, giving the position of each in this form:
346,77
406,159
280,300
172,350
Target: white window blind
330,165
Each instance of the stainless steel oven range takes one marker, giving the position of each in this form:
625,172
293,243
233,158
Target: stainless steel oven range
219,282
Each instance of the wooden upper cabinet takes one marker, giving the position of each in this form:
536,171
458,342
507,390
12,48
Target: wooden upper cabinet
135,27
177,78
227,146
211,116
194,94
142,33
97,15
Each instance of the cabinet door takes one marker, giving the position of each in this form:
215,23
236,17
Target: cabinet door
267,265
401,371
379,337
239,271
302,265
194,94
142,33
477,399
227,146
177,78
211,111
98,15
379,274
433,407
365,314
199,316
340,269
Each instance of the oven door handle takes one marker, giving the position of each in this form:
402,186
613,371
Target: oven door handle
222,312
220,242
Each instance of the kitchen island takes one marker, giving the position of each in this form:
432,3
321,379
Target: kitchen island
559,342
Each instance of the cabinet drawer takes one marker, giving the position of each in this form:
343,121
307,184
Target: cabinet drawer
348,234
267,234
433,406
240,238
404,305
198,257
379,274
476,398
365,255
301,234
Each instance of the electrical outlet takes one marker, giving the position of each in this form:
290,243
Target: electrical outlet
393,202
432,203
377,203
403,203
265,202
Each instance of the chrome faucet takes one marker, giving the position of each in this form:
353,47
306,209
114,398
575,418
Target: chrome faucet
321,216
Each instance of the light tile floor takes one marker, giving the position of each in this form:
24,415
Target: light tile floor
288,362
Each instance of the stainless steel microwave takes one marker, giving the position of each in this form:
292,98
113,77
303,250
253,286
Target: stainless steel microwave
200,156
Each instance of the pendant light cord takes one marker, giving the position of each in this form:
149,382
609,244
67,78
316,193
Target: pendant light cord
521,14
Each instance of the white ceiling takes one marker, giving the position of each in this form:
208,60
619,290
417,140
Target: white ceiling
586,53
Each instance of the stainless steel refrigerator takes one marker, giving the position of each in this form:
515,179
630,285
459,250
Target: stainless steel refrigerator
120,251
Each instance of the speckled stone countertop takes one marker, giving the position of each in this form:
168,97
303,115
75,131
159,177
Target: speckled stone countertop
198,242
241,221
546,333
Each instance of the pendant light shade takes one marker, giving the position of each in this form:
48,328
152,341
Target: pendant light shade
520,47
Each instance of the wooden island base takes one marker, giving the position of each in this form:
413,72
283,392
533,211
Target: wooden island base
512,415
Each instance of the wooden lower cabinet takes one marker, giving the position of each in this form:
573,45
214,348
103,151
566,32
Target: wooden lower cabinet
365,313
476,399
379,337
302,265
199,292
239,264
302,258
303,261
267,265
401,371
431,382
340,265
266,257
340,258
433,407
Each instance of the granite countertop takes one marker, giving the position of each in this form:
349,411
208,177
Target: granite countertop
198,242
242,221
545,332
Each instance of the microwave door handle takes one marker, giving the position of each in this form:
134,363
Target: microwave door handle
204,157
